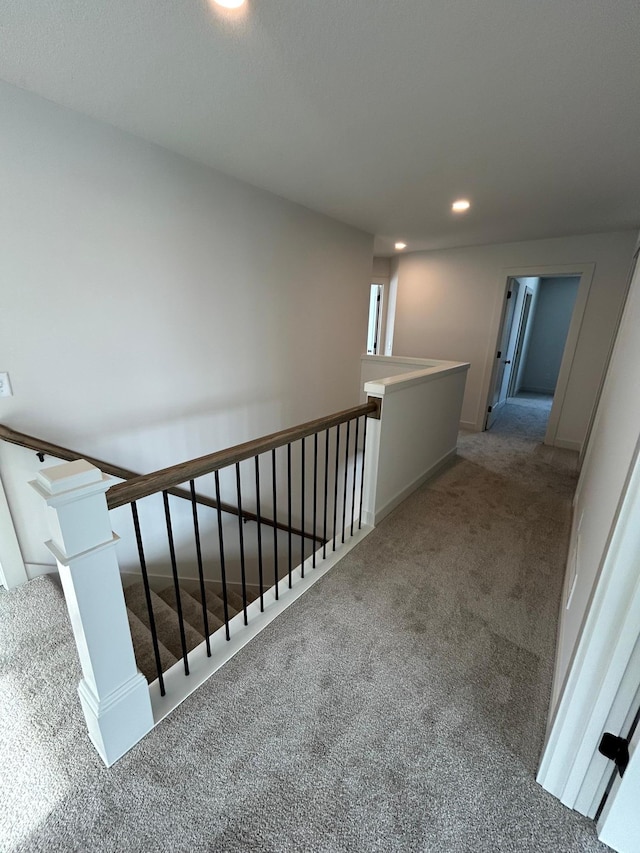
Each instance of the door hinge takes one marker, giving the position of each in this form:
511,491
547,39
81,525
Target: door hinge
616,749
509,294
499,353
490,409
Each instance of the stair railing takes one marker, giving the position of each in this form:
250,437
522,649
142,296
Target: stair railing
331,495
42,448
329,460
413,435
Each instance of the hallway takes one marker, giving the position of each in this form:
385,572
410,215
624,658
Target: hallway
400,705
530,424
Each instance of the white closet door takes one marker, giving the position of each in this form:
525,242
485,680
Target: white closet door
619,825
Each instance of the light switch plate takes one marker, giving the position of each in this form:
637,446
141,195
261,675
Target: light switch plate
5,385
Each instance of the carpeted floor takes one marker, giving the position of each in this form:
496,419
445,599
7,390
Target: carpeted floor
400,705
530,398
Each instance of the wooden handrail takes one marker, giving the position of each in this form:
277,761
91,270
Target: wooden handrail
167,478
41,446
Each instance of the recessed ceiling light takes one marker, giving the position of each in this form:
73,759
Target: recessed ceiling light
460,205
401,245
230,4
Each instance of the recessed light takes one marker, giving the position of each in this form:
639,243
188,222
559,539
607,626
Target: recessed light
230,4
460,205
401,245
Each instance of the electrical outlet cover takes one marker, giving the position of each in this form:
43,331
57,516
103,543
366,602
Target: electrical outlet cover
5,385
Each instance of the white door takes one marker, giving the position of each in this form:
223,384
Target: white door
514,384
619,824
502,367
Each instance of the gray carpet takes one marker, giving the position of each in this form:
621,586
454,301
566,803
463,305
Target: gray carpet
400,705
530,398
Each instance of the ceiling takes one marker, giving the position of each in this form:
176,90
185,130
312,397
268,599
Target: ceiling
377,113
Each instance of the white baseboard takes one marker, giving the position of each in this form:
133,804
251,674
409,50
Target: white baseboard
529,390
470,425
568,445
419,481
556,686
35,570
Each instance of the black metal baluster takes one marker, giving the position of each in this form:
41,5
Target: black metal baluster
315,494
289,510
147,595
241,537
223,572
364,450
203,595
302,511
346,468
335,486
326,493
275,518
176,582
355,472
259,523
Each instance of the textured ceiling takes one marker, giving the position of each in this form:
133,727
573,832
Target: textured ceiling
376,113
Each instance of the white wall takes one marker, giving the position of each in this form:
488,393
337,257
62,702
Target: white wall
549,327
155,310
416,435
391,306
12,568
381,270
614,441
449,304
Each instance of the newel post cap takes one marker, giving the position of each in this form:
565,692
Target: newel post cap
65,483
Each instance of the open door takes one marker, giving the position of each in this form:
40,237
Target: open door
502,369
619,823
516,359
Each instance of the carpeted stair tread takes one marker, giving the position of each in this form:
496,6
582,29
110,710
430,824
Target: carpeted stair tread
234,599
191,609
143,648
253,593
166,620
215,603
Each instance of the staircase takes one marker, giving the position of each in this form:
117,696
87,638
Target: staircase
166,619
311,475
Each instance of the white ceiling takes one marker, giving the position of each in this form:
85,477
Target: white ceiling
377,113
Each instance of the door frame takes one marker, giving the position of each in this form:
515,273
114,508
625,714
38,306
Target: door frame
384,283
379,319
585,271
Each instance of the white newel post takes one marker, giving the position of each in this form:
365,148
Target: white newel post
114,695
371,465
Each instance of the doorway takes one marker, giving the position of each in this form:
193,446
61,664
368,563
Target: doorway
533,334
374,333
